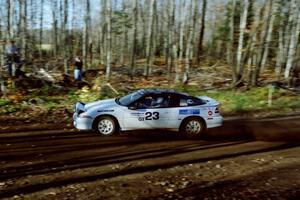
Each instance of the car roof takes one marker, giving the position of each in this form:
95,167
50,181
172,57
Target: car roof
160,91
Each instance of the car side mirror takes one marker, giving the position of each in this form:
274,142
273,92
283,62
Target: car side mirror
132,107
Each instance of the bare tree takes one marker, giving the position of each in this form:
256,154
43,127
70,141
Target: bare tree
10,14
230,43
72,48
182,17
191,33
252,52
65,37
174,41
263,40
41,26
153,36
86,34
23,25
202,29
108,39
2,84
280,49
243,22
54,27
149,38
294,39
33,25
1,43
169,36
124,38
134,36
269,33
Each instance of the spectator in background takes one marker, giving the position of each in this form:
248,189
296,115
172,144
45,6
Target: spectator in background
78,69
12,56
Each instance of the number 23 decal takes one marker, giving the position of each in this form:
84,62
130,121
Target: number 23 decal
151,116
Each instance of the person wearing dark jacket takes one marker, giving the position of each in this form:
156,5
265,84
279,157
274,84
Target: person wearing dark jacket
12,57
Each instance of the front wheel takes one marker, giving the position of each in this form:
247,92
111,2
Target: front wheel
106,126
192,127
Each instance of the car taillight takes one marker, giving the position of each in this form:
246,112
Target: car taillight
217,110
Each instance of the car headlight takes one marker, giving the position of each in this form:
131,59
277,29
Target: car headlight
79,106
84,115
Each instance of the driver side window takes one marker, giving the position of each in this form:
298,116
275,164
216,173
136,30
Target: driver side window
156,101
144,103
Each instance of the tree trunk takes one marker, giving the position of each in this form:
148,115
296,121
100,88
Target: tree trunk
269,35
108,39
202,29
134,37
153,37
280,49
288,31
54,27
72,47
1,49
10,14
280,53
144,29
174,47
230,43
149,38
241,40
65,30
23,31
124,44
181,32
181,26
33,24
294,40
189,46
252,53
86,35
41,27
264,35
169,37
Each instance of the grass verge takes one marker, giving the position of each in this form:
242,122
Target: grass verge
234,102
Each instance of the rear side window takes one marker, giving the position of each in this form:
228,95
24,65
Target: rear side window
190,101
183,101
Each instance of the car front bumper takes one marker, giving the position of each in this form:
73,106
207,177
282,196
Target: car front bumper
82,123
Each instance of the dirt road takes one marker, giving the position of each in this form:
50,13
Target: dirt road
83,165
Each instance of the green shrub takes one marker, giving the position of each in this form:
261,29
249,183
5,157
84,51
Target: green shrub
4,102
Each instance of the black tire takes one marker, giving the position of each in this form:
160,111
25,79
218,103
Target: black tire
106,125
192,127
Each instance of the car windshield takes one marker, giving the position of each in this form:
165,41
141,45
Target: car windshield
128,99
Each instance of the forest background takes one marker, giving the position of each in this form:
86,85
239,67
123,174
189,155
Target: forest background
244,53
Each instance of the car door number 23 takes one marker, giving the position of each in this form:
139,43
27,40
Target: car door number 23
151,115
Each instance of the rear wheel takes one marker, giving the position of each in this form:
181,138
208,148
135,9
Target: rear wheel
106,126
192,127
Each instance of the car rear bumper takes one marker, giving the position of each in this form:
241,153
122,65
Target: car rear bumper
214,122
82,123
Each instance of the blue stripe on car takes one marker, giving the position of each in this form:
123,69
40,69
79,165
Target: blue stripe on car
189,112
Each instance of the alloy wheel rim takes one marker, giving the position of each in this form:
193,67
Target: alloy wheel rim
105,127
193,127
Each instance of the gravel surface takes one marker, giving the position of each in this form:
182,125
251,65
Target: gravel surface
66,164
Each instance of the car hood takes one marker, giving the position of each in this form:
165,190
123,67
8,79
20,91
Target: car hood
107,103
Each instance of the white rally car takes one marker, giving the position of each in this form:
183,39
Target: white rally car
149,109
